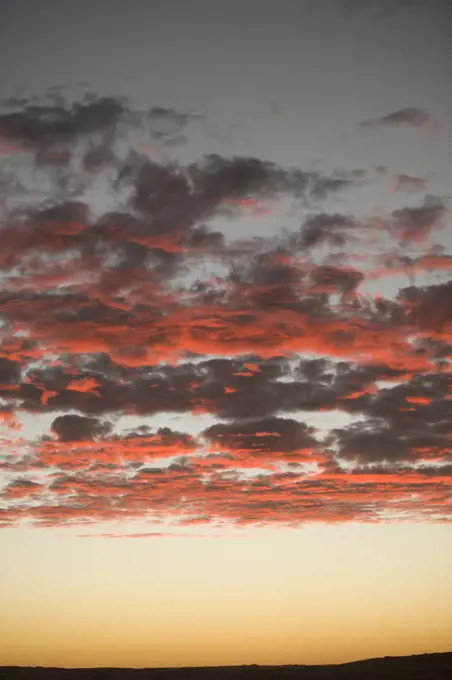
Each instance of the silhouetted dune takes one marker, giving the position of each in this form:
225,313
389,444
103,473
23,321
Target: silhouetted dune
418,667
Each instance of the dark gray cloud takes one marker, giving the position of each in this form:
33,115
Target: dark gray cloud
336,279
44,126
373,442
325,228
266,436
430,307
10,372
413,224
71,428
369,442
411,116
323,187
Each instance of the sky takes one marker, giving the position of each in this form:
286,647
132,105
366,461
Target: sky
225,331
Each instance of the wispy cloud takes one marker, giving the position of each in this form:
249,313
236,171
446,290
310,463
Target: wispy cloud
410,116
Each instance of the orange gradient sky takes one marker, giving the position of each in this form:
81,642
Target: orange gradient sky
322,594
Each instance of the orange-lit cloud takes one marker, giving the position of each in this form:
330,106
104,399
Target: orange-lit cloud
148,311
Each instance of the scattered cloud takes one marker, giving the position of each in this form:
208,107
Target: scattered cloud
148,311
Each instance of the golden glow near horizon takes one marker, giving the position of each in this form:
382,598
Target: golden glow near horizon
322,594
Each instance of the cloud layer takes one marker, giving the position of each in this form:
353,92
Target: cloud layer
327,403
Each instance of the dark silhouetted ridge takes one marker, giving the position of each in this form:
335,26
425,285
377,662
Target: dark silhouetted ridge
418,667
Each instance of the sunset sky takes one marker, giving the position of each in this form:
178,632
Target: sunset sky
225,331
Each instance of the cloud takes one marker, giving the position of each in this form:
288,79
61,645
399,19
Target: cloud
43,126
409,116
22,488
324,227
369,444
150,534
279,438
9,371
182,495
167,122
313,400
404,182
416,224
429,306
71,428
87,442
248,387
334,279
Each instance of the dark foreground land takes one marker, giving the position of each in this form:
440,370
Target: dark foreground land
419,667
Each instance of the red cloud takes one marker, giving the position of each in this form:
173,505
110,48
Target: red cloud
147,310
